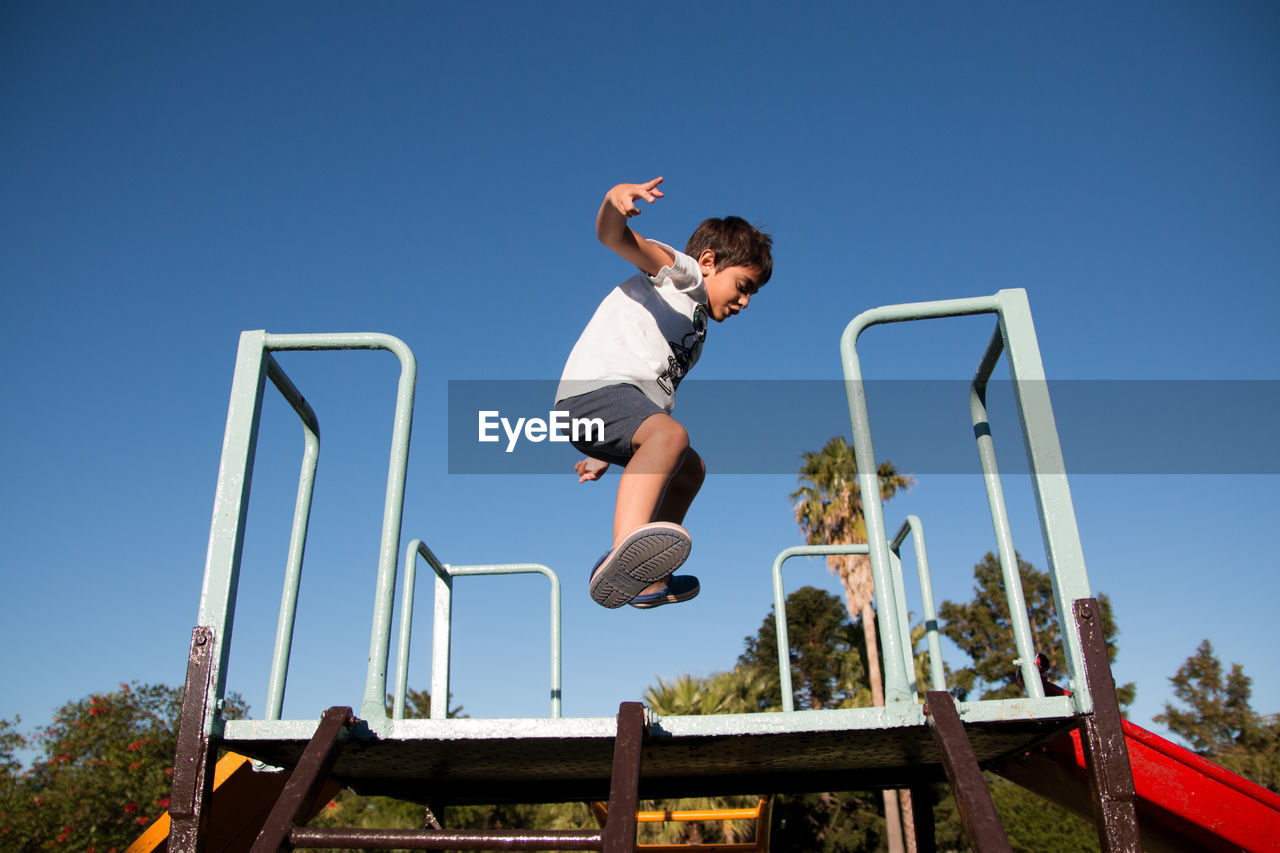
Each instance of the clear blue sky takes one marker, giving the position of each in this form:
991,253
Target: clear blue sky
173,174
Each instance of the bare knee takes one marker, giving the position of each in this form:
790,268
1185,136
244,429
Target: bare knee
662,434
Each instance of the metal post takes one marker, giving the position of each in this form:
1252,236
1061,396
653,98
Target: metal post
297,538
1022,639
913,525
1048,477
1102,733
230,510
620,830
193,760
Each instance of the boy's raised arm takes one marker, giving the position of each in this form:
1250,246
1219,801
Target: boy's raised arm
611,226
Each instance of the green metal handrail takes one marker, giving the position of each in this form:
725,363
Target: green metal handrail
1015,333
443,625
231,503
912,526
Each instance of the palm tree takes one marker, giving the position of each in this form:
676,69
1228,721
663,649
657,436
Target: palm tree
828,508
741,690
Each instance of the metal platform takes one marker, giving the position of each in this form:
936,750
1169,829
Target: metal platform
466,761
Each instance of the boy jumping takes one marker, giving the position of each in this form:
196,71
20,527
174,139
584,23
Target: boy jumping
624,370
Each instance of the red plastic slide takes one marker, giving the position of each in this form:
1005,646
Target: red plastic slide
1184,802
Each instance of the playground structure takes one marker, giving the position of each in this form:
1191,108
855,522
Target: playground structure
904,744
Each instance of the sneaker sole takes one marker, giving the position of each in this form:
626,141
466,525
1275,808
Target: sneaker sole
647,555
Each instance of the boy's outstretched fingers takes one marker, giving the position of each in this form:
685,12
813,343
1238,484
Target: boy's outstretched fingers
625,196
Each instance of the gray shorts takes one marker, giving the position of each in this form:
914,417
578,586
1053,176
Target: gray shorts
622,408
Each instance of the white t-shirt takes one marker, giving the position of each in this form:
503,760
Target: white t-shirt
647,332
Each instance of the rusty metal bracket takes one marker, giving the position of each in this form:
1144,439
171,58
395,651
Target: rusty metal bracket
1102,733
620,829
303,787
192,786
973,799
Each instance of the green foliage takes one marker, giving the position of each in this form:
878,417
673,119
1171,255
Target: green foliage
1033,824
828,504
741,690
417,705
825,650
1217,714
983,631
1218,720
103,771
829,823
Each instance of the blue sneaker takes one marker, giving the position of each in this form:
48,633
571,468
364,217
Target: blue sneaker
678,588
647,555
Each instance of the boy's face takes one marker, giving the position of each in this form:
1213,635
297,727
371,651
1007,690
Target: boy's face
728,290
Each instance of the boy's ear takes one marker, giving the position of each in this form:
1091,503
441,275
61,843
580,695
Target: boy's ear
707,260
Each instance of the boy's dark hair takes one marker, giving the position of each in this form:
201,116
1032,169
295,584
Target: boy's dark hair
736,243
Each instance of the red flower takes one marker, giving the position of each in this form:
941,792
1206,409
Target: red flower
131,808
93,712
144,820
163,802
135,765
133,747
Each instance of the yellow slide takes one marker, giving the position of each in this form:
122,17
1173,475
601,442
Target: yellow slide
242,799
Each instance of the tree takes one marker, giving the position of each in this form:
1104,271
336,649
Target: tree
103,770
742,690
828,508
1217,715
826,662
1218,720
983,630
1032,823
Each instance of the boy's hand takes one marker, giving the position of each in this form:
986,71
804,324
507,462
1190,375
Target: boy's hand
611,226
623,197
590,469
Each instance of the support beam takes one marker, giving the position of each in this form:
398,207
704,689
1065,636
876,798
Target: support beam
973,800
302,789
192,787
620,829
1105,753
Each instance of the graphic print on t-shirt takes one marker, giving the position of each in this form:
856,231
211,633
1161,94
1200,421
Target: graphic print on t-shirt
684,354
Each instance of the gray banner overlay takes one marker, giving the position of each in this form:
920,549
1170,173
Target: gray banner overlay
923,427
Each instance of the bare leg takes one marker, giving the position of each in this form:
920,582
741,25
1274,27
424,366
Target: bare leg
660,447
660,482
682,489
